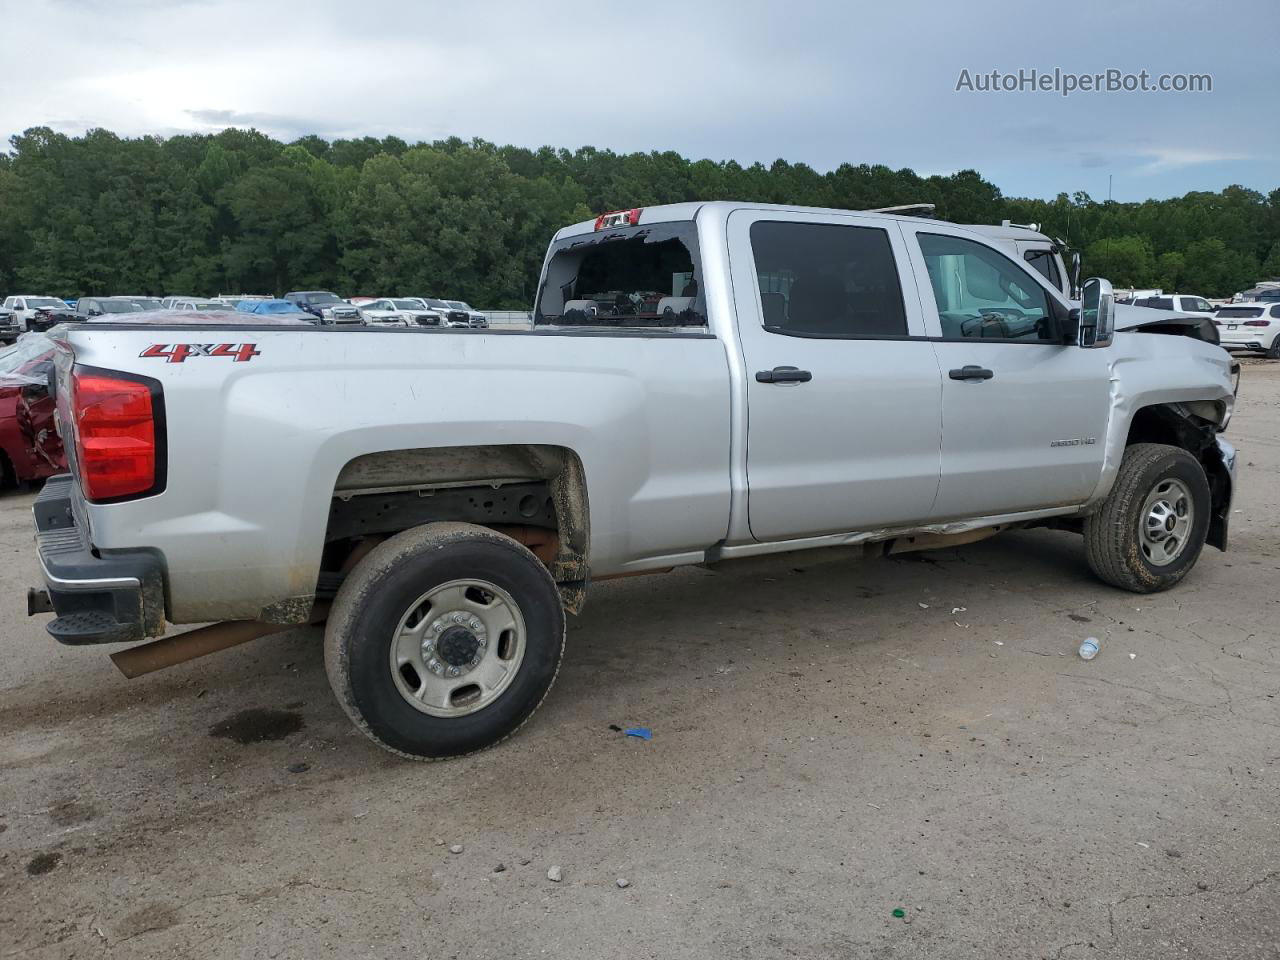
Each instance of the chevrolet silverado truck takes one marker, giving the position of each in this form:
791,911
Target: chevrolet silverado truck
701,383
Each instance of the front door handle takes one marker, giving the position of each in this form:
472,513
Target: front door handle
783,375
971,372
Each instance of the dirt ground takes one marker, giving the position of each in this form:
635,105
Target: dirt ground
831,741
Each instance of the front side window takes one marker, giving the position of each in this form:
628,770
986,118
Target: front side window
643,276
827,280
982,294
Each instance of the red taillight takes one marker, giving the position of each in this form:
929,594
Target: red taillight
115,435
1257,323
619,218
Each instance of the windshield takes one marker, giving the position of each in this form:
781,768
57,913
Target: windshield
34,302
459,305
406,305
645,276
147,303
437,304
322,298
1269,296
118,306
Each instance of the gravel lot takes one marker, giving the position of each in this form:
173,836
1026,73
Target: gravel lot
826,748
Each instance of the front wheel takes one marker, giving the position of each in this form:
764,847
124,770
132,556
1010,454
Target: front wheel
1150,530
444,640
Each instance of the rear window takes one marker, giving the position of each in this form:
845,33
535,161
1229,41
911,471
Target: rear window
1243,313
645,276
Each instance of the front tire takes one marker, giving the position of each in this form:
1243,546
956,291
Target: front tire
1151,529
444,640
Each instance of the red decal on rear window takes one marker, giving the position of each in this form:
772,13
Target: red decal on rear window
179,352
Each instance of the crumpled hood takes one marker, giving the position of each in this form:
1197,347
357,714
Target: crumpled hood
1152,320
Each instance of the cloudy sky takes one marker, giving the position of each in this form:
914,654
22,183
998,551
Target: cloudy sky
815,81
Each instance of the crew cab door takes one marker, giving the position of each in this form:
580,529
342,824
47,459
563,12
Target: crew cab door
842,390
1024,418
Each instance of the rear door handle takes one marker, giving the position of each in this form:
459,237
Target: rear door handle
783,375
971,372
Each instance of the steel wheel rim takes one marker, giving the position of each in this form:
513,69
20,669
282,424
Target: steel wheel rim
1165,523
457,648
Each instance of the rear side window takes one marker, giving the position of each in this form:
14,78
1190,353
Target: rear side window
827,280
643,276
1275,311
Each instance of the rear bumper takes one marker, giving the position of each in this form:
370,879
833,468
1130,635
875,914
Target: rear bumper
98,597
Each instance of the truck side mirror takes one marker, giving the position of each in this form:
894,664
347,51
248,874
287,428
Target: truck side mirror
1097,313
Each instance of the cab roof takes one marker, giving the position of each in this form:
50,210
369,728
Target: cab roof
672,212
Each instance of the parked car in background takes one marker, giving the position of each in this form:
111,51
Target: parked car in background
1265,291
474,317
400,311
1181,302
235,299
1252,327
88,308
453,316
203,306
10,325
276,308
30,447
328,307
146,303
24,306
48,317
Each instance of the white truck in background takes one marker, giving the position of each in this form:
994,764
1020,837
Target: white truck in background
701,383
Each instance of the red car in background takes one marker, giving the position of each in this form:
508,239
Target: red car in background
30,448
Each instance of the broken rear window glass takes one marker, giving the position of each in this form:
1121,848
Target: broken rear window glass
645,276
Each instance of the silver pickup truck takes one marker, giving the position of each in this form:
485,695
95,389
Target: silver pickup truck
701,383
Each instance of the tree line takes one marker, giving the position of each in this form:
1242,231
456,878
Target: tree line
240,212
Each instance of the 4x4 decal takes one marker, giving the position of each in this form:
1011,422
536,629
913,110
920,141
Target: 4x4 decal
178,352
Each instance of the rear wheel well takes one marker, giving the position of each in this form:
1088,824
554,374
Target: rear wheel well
533,493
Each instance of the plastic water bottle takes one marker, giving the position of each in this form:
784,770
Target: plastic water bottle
1089,649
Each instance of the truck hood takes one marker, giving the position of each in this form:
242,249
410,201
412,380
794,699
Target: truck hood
1151,320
